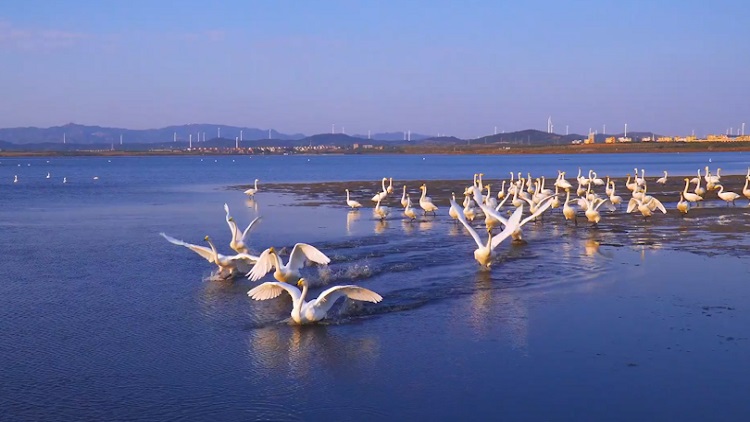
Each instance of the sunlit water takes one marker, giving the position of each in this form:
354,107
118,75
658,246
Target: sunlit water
101,319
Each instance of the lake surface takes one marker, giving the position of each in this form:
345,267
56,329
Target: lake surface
101,319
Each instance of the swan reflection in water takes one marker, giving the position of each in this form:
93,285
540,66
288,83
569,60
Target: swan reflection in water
380,226
252,204
426,223
407,226
304,350
351,217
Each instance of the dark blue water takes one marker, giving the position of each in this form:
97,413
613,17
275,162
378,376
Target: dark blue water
100,318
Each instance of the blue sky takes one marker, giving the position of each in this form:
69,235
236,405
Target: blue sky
458,68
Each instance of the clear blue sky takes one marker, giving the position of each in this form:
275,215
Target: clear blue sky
454,67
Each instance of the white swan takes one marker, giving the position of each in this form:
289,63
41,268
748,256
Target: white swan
381,212
489,200
614,199
65,180
683,206
698,189
404,198
727,196
304,312
690,196
561,182
425,202
501,194
662,180
596,180
582,181
288,273
382,194
646,205
389,189
352,203
630,186
228,266
469,211
592,209
454,210
252,191
15,178
238,238
569,212
483,253
409,210
745,190
48,175
696,179
607,187
556,198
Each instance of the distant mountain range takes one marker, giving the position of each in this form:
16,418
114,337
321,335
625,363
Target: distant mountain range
82,134
78,137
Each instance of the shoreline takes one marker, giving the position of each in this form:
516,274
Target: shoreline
482,149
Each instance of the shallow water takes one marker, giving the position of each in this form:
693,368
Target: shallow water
103,319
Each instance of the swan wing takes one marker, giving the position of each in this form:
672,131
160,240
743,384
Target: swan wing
494,213
263,265
302,252
203,251
249,227
632,204
252,259
540,209
603,201
462,219
512,224
272,289
659,205
328,297
232,225
500,205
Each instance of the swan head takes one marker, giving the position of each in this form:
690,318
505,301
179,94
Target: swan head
207,238
271,250
230,219
301,282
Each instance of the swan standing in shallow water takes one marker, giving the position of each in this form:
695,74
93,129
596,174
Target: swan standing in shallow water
404,199
662,180
288,273
228,266
690,196
352,203
727,196
381,212
425,202
238,238
745,190
48,175
569,212
409,210
483,253
382,194
252,191
683,206
304,312
454,210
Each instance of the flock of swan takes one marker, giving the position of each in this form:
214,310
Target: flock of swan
287,275
591,194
